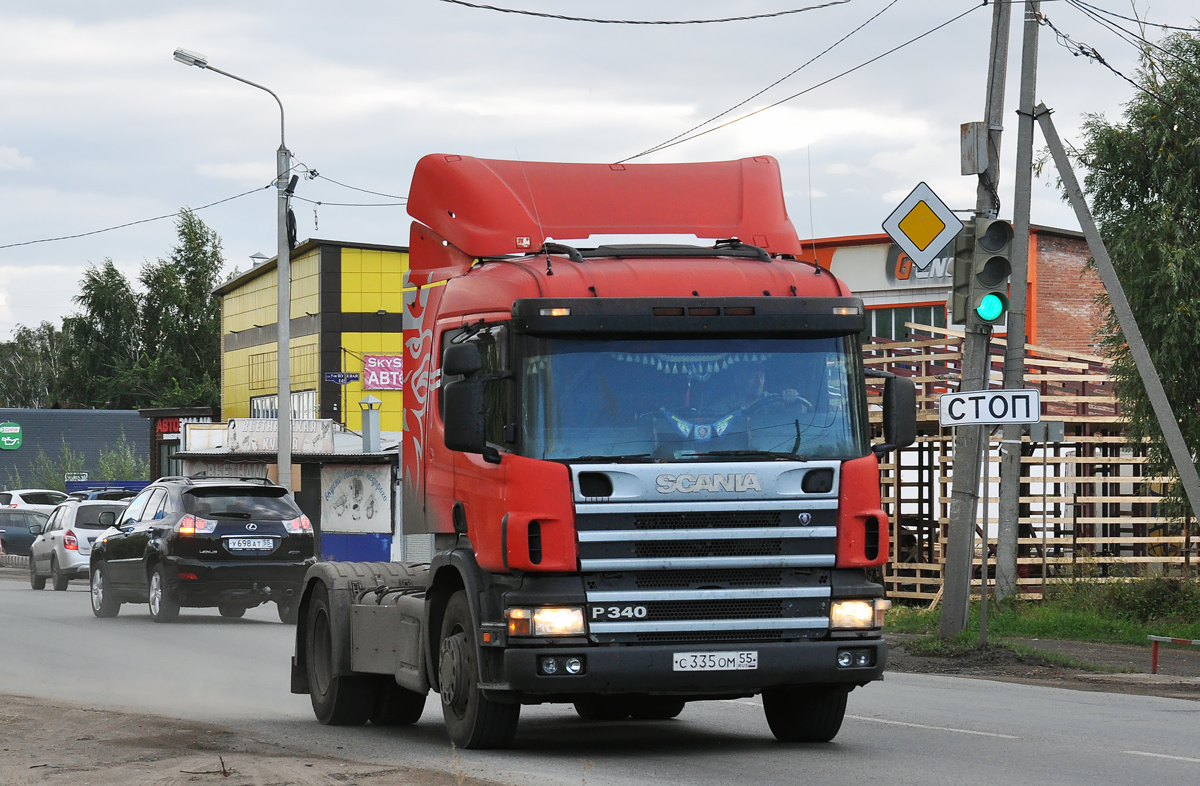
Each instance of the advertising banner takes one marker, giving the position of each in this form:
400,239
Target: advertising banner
261,435
10,436
356,498
383,372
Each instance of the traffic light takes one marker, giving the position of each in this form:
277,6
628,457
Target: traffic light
989,287
981,270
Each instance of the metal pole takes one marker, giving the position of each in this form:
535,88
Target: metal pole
283,268
1172,435
1008,525
983,551
956,576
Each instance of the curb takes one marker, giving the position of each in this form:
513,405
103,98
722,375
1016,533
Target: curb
14,561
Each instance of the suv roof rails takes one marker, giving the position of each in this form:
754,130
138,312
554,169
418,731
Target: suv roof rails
244,479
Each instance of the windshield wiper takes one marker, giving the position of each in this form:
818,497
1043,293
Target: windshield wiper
771,454
625,457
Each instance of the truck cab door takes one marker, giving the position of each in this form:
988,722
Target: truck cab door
479,479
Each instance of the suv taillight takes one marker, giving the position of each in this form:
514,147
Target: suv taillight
194,525
70,541
298,526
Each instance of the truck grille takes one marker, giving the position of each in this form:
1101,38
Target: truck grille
696,576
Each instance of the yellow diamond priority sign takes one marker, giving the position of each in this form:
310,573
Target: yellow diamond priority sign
922,225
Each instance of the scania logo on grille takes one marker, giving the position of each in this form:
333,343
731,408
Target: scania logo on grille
688,484
251,526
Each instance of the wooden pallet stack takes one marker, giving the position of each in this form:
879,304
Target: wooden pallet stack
1088,508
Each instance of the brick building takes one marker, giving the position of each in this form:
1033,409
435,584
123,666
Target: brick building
1061,298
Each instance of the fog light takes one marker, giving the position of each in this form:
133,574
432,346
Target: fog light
574,665
845,658
549,666
863,659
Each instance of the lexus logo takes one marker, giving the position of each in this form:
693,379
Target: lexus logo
251,526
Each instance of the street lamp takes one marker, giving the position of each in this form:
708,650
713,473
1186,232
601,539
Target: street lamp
283,160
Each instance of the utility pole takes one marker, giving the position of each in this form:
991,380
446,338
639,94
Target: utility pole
956,576
1014,354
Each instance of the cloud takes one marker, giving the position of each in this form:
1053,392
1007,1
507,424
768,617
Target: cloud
250,173
11,158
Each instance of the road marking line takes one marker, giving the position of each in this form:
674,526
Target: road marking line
1162,756
934,728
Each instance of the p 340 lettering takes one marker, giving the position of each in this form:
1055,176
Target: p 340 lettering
619,612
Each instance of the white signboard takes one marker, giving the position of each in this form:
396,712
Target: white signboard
356,498
990,407
261,435
922,225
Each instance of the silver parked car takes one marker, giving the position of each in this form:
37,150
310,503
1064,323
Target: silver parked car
62,548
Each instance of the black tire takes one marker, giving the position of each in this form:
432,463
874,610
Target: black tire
163,606
396,706
35,581
232,612
59,581
103,603
336,701
289,611
656,708
810,713
472,720
604,708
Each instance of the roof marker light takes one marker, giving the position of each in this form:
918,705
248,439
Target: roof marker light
554,312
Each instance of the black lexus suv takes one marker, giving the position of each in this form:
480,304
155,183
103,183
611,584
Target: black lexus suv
232,543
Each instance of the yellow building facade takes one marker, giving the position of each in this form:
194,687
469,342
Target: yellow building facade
346,306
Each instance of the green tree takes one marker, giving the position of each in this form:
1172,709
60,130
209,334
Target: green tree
31,367
121,461
103,341
49,473
1143,180
181,318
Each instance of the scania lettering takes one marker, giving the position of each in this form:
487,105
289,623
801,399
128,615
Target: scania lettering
643,471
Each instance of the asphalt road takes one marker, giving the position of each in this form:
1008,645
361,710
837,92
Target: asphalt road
908,729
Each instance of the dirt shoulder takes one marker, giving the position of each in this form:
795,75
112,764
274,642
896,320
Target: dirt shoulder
1077,665
43,742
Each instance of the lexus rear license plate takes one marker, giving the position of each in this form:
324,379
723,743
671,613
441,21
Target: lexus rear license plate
249,544
715,661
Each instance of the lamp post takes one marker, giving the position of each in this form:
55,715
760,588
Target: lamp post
283,269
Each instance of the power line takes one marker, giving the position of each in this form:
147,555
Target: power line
1135,40
135,223
1080,49
1099,10
562,17
740,104
315,174
348,204
814,87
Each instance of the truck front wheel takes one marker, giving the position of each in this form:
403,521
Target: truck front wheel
472,720
347,700
805,713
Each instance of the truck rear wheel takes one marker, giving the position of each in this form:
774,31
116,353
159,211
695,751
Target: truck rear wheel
805,713
472,720
396,706
336,701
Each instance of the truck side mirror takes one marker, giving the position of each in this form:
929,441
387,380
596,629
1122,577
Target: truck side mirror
461,360
463,412
899,415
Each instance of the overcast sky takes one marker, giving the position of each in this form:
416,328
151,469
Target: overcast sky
100,126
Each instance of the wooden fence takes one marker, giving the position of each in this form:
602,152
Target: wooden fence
1088,509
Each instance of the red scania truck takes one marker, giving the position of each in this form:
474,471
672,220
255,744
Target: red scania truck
645,469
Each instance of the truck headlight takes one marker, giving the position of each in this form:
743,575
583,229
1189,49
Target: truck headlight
857,614
546,622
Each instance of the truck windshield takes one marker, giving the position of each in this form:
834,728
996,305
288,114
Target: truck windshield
685,398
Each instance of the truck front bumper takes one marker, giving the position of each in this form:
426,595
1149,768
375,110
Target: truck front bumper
650,669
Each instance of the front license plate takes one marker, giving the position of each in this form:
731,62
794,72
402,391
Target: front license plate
249,544
716,661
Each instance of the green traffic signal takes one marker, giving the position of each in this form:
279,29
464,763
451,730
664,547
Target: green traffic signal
990,308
